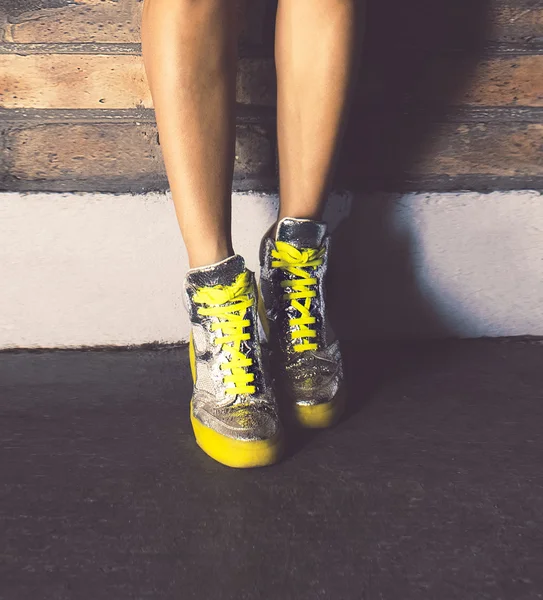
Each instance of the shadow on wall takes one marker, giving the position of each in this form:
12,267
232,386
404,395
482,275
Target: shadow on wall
417,60
373,287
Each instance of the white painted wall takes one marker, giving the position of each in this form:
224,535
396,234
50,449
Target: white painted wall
439,265
95,269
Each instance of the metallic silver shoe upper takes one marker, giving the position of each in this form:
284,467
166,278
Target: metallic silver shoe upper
311,376
243,416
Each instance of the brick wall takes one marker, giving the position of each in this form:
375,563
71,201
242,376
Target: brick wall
450,96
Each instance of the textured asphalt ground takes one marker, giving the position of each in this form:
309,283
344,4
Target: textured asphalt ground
430,488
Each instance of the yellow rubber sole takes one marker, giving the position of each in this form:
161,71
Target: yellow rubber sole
320,416
233,453
236,453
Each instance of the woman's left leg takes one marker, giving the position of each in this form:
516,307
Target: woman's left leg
316,51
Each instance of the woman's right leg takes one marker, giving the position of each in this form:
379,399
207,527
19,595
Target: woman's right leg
190,55
190,52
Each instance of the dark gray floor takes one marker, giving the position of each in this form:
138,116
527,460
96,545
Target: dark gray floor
431,487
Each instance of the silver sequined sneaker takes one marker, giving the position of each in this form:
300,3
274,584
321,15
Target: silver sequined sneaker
233,410
306,357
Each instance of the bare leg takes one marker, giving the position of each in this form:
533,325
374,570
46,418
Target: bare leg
190,55
316,50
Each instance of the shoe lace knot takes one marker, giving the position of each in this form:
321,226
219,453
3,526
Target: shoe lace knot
228,306
300,264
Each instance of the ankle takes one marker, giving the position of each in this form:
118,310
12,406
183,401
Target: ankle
310,212
208,256
272,232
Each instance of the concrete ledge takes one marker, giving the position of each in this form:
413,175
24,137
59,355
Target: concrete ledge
100,269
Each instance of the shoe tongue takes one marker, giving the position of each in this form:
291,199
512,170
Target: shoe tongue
221,273
301,233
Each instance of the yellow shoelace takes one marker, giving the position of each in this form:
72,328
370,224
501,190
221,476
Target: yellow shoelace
229,305
297,262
